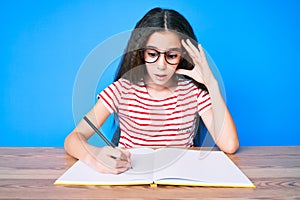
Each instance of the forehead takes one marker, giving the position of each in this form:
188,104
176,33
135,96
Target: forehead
164,40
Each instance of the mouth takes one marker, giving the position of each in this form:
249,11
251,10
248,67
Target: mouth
160,76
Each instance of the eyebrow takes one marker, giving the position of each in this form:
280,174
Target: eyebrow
171,49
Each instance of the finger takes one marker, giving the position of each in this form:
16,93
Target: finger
115,153
128,156
111,154
187,48
118,165
125,153
119,170
121,158
108,161
111,163
124,156
201,51
121,164
190,51
193,47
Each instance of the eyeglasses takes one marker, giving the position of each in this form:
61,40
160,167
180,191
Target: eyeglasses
173,57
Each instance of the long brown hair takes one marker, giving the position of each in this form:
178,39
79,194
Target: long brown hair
156,20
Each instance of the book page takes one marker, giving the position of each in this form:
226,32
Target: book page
167,156
142,160
141,172
190,167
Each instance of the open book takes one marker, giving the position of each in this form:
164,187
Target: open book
164,166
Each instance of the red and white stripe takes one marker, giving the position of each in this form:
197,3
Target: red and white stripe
145,121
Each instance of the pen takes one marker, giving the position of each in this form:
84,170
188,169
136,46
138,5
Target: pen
109,143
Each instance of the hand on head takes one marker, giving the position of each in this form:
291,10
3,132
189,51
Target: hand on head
201,71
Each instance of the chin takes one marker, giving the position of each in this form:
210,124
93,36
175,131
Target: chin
161,83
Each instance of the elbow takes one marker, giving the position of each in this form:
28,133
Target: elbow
230,147
70,141
67,143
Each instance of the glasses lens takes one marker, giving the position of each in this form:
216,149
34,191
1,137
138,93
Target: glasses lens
151,55
173,57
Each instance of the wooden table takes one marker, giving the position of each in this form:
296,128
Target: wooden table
29,173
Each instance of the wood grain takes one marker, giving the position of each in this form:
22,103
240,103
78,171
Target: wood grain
29,173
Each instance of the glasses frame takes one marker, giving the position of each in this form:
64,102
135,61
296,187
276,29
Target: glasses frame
165,55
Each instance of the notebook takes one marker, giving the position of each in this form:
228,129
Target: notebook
164,166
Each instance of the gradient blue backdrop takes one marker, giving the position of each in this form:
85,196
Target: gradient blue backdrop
254,43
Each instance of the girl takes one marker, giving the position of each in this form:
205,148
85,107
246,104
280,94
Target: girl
163,85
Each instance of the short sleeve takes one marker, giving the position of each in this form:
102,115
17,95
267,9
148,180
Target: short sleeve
110,96
204,101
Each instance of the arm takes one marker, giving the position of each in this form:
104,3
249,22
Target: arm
106,159
218,119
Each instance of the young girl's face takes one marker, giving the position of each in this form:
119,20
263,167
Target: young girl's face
162,56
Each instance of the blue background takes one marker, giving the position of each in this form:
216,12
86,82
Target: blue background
255,44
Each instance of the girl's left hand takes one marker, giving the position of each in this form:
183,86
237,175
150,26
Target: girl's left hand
201,72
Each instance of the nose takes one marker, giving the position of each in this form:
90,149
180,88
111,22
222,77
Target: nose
161,62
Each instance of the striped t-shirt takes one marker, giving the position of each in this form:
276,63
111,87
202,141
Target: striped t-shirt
145,121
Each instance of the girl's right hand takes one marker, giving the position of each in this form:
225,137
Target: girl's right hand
110,160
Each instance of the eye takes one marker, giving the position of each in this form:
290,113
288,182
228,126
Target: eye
172,55
151,53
